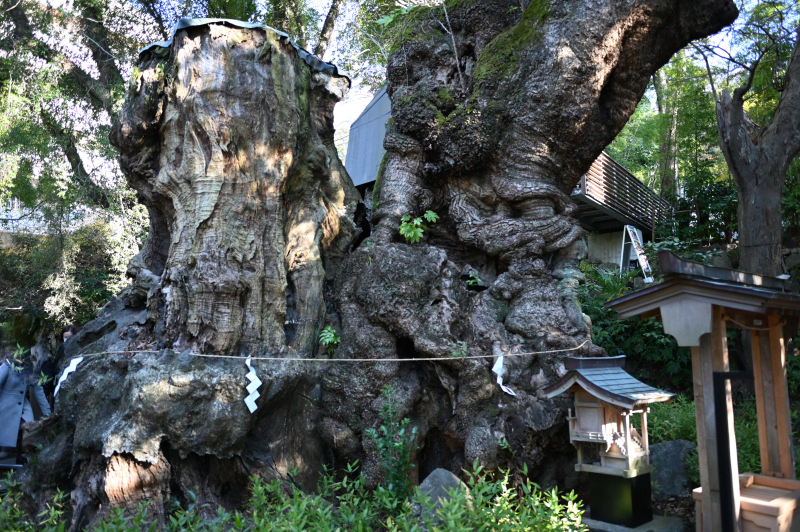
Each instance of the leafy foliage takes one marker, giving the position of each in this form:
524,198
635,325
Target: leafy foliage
459,350
413,229
791,204
682,135
685,249
65,277
395,446
329,339
492,503
676,421
474,280
636,147
375,30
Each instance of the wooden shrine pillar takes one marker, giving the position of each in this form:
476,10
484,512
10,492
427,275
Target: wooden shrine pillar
694,302
772,399
710,356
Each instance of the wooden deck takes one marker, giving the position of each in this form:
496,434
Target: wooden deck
609,197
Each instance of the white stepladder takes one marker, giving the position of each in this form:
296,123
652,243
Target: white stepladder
632,241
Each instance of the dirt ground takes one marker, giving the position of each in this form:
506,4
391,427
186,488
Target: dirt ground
676,506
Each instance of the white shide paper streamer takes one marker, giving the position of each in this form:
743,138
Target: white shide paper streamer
500,371
73,364
252,388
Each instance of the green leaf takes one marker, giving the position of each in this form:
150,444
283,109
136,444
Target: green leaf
431,216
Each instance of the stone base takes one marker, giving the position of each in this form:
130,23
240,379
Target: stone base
620,501
660,523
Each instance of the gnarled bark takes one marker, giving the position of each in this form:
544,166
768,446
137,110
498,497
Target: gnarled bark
227,136
229,142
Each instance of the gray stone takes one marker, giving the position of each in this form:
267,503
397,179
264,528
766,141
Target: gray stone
437,486
792,260
670,460
439,483
722,261
660,523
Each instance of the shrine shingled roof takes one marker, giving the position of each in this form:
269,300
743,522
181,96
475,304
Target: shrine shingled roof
605,379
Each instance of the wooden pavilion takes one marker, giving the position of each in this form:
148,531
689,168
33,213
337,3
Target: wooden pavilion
696,303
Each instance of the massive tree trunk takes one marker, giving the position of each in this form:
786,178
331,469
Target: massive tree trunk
758,158
227,137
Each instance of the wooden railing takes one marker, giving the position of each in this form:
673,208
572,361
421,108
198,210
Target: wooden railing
610,185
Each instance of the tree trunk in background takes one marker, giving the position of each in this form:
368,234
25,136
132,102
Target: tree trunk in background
228,138
759,158
668,151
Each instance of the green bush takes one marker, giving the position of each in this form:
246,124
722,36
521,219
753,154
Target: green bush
66,277
688,249
676,421
394,446
672,421
347,504
492,504
793,369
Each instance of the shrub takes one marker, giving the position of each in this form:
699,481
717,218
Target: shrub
66,277
495,505
394,446
329,339
492,504
688,249
676,421
412,229
672,421
346,504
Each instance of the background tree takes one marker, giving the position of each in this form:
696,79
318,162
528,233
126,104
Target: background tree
757,124
671,145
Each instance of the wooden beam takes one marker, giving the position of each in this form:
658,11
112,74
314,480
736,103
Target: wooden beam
772,399
706,506
763,386
711,356
782,411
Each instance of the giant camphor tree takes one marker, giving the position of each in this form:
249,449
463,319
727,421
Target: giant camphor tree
257,242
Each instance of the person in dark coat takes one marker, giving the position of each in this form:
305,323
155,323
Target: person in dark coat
14,405
49,369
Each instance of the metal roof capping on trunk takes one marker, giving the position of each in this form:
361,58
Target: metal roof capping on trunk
305,55
604,378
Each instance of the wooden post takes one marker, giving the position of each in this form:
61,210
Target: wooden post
764,391
782,409
628,439
645,437
772,400
711,356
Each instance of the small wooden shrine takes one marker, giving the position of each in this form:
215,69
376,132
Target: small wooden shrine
610,448
696,303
